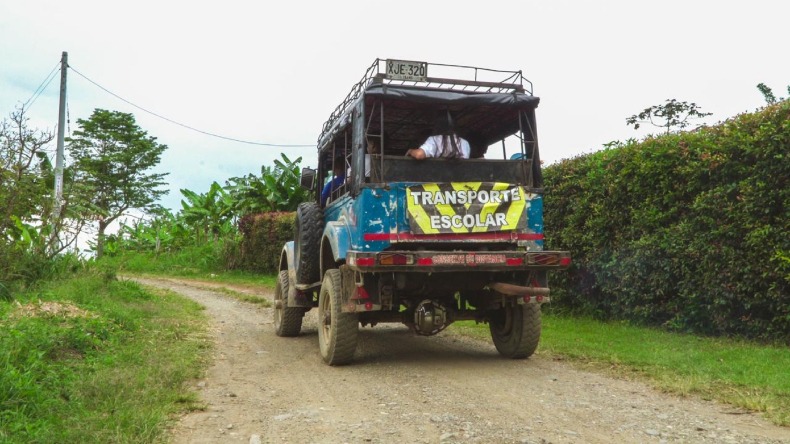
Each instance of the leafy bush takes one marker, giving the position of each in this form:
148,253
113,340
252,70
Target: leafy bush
690,230
263,237
22,268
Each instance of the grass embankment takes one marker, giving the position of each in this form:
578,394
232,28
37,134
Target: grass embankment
95,360
743,374
201,264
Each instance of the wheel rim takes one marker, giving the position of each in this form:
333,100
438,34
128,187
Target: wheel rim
278,311
325,318
278,308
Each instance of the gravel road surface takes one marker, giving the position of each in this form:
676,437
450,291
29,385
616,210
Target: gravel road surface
402,388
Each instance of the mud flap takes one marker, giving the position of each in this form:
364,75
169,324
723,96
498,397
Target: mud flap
359,289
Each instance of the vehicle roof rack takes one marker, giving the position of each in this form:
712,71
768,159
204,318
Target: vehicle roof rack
460,78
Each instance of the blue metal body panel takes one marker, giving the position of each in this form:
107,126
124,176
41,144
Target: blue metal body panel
535,217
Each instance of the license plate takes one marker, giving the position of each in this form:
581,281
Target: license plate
407,70
468,259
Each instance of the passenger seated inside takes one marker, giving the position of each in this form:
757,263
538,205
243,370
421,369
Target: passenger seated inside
373,148
339,177
443,141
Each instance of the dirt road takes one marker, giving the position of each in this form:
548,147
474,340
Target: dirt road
444,389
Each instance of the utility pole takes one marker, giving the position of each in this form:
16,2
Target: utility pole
58,207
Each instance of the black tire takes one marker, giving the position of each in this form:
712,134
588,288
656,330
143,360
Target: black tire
516,330
337,331
307,242
287,320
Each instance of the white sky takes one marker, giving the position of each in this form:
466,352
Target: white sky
273,71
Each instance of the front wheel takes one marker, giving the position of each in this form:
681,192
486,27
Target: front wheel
337,331
516,330
287,320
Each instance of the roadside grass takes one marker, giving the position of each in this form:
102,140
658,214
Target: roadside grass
95,360
743,374
198,263
238,295
188,261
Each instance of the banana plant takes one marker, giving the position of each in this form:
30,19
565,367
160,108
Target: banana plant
277,188
207,213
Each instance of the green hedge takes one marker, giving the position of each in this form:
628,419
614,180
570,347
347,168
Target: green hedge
263,237
689,231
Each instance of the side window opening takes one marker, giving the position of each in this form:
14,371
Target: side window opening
336,167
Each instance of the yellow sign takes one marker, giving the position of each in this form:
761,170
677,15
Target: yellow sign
466,207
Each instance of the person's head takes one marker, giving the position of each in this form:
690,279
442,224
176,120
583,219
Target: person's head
339,166
374,147
443,123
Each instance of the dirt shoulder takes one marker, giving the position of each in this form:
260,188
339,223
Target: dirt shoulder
407,388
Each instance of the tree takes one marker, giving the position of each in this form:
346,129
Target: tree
25,171
209,214
25,198
768,93
672,114
113,158
277,188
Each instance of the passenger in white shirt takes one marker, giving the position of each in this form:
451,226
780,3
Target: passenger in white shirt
444,142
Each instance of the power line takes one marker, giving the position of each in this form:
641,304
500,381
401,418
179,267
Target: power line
184,125
43,86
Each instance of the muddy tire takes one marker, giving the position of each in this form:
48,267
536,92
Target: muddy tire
337,331
287,320
307,242
516,330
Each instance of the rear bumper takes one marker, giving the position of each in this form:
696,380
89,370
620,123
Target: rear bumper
449,261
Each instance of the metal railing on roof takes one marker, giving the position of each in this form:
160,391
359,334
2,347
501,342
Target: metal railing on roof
453,77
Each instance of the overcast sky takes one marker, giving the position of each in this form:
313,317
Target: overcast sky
272,72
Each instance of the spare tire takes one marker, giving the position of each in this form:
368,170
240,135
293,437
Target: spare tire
307,242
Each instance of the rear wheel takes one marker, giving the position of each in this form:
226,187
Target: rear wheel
337,331
516,330
287,320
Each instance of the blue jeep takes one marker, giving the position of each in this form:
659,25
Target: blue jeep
422,242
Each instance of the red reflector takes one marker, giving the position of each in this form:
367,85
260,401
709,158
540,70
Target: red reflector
526,298
368,306
514,261
362,293
565,261
424,261
395,259
365,262
539,298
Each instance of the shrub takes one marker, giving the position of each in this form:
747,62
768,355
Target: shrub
690,231
263,237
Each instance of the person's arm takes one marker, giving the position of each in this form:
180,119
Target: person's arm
466,149
417,153
325,193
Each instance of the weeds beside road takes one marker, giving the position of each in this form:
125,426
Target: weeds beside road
93,360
